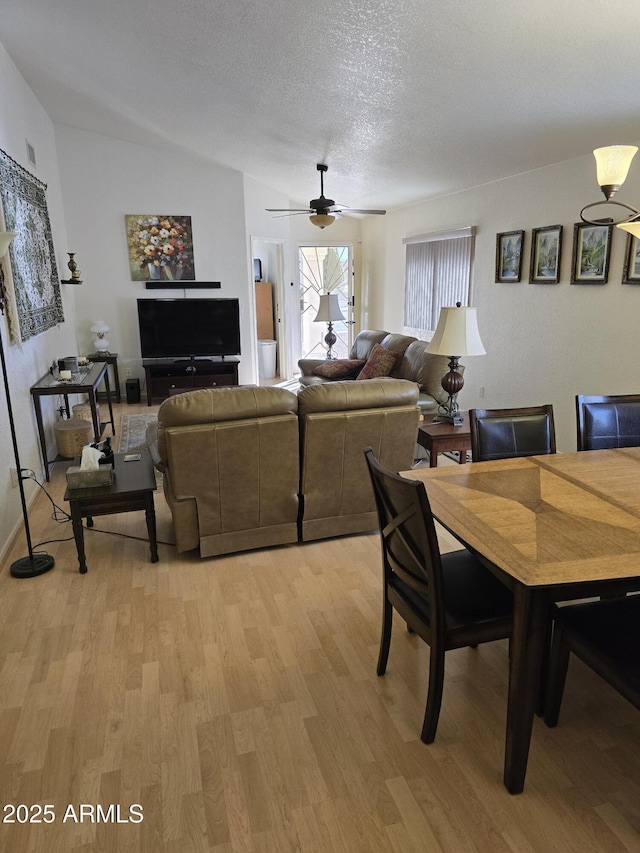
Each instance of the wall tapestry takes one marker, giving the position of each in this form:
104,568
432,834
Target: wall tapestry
33,262
160,247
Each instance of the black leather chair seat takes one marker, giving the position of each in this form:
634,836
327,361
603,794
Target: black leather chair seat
606,636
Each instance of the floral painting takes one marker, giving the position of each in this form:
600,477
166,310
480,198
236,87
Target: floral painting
160,247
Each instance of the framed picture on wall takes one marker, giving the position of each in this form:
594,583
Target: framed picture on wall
631,270
591,253
509,256
546,250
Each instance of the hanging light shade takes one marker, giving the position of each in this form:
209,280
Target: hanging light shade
322,220
630,227
612,166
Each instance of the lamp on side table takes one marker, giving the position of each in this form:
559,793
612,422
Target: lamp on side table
458,333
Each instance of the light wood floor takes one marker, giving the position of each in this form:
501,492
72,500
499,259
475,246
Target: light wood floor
235,699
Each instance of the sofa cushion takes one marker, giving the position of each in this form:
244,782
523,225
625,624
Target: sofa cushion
398,344
364,342
339,368
379,363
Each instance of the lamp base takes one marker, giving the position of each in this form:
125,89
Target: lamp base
31,567
455,419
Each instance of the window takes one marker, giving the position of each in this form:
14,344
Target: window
438,272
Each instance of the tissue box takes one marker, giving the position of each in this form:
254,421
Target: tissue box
84,478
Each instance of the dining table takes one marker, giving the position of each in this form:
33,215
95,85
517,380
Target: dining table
552,528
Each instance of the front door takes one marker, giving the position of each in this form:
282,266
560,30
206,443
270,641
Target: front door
325,269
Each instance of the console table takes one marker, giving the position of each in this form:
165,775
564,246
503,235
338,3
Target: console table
112,359
84,382
163,375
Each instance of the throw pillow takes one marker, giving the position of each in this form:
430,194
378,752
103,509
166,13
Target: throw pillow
339,368
379,363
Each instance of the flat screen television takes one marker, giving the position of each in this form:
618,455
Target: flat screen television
257,269
189,328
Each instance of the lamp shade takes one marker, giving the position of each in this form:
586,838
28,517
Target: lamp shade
631,227
612,164
321,219
5,239
457,333
328,309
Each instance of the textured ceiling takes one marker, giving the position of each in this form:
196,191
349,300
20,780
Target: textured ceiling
403,99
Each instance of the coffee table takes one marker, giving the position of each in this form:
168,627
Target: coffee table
132,489
436,437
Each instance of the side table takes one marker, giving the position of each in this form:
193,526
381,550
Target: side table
132,489
438,437
112,359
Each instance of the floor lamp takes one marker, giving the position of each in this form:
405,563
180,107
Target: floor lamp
34,564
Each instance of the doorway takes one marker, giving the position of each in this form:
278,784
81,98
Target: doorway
325,269
268,301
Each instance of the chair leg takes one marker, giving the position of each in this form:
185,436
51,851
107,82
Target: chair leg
558,665
385,636
434,695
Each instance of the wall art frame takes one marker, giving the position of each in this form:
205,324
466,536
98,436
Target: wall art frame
509,247
631,269
546,254
160,247
591,253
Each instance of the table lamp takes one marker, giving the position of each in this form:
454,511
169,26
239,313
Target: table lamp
100,330
457,332
328,312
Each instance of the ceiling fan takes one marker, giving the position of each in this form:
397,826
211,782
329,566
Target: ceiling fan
323,210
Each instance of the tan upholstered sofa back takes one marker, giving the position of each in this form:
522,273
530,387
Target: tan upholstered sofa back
337,421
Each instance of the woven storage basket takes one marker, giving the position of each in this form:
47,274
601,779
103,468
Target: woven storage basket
83,410
72,436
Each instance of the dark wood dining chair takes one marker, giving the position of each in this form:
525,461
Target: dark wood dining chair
450,601
606,636
608,421
506,433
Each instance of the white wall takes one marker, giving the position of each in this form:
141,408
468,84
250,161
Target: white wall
545,343
104,179
22,117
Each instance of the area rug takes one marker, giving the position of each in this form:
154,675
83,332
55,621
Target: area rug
133,430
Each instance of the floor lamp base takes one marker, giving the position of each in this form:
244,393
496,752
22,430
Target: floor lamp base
31,567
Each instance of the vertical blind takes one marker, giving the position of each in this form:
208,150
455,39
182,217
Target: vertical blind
437,272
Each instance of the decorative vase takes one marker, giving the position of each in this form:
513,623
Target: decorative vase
154,272
73,266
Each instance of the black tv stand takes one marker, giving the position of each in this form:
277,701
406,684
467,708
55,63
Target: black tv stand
167,376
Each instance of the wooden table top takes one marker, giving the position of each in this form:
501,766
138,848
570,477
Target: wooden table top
558,519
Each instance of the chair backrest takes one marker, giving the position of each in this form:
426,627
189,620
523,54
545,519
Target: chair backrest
608,421
409,541
506,433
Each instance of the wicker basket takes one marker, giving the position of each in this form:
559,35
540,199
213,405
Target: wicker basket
72,436
83,410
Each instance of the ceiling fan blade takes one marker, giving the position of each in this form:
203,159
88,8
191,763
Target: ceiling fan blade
287,210
356,210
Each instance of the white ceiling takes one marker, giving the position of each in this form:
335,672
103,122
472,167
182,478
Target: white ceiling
403,99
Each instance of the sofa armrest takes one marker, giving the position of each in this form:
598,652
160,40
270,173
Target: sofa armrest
308,365
152,445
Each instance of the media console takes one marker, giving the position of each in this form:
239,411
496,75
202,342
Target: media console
165,376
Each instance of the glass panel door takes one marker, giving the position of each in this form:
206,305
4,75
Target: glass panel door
325,269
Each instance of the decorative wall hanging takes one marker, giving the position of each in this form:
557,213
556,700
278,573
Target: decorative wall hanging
591,252
509,247
546,251
160,247
33,263
631,270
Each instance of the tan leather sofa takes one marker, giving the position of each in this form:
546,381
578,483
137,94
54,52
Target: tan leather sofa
230,465
252,467
337,421
415,365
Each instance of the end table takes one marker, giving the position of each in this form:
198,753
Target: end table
438,437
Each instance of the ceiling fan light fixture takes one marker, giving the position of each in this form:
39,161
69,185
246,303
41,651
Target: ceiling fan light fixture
321,220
